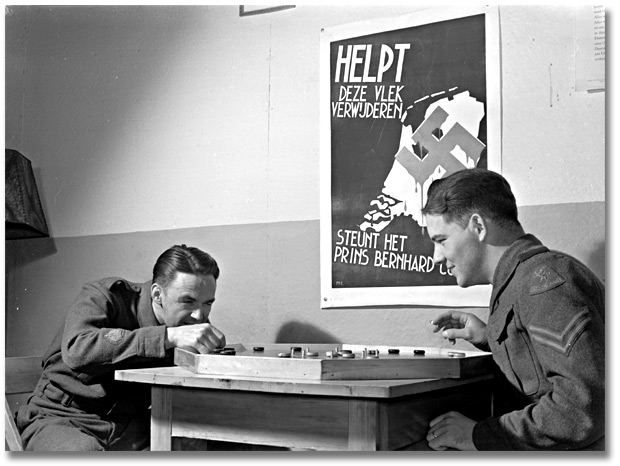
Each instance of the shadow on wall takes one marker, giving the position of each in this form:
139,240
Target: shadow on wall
20,252
301,332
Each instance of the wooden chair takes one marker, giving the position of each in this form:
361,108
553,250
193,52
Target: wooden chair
20,379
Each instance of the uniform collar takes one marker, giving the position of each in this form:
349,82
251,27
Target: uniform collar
522,249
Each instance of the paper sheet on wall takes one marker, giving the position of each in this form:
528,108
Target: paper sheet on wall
590,48
406,100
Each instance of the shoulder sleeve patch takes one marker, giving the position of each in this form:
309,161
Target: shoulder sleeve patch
115,335
543,279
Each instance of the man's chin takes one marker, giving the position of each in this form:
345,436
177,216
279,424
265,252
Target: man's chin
462,283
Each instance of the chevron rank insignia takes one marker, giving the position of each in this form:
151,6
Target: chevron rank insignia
563,340
543,279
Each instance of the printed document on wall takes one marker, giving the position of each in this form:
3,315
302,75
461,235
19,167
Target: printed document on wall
405,101
590,48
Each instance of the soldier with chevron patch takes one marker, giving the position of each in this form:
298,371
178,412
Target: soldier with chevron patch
546,325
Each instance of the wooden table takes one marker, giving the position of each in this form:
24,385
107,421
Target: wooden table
354,415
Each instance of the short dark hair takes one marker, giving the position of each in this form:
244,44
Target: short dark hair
182,258
457,196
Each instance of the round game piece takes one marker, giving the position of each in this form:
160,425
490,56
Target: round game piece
346,351
348,355
394,351
284,355
456,354
228,352
311,354
221,350
419,352
259,348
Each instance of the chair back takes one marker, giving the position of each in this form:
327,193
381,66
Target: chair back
21,375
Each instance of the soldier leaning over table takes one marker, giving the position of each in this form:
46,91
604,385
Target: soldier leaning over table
116,324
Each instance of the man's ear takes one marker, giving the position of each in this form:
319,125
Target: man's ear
478,226
156,292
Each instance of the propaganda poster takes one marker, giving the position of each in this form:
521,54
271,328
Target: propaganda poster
404,102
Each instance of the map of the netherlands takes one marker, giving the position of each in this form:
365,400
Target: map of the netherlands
445,142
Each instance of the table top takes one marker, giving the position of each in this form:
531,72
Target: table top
180,377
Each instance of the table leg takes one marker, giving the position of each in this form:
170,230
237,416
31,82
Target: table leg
367,425
161,418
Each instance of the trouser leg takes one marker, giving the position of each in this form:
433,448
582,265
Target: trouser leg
53,434
131,433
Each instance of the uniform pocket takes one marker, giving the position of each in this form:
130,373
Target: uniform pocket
519,356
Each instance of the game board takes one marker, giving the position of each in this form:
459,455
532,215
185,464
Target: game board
335,362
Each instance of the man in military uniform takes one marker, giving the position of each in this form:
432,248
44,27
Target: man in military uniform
546,326
116,324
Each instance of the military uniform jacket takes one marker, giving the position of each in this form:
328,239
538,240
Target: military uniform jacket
110,326
546,330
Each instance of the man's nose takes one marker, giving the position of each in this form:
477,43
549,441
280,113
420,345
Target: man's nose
199,315
438,257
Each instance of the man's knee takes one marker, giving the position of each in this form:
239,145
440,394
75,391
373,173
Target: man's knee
59,437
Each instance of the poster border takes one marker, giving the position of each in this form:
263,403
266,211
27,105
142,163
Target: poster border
452,295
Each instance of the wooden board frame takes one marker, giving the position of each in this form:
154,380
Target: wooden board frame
435,363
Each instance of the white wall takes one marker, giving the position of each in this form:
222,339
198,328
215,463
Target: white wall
553,136
155,118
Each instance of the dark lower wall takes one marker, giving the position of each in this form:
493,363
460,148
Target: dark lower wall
269,290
